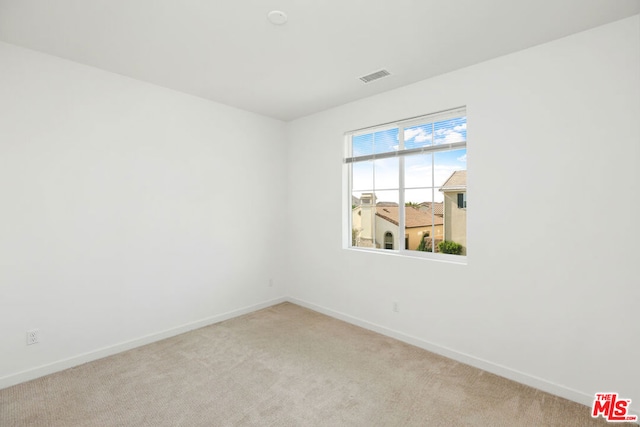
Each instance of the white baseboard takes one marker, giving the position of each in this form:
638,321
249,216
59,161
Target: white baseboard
70,362
503,371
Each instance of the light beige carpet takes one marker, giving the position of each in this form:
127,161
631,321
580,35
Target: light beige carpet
282,366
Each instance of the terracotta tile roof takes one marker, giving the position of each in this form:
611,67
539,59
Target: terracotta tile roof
412,216
436,207
457,181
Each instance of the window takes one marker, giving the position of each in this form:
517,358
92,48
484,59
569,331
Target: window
388,240
409,179
462,200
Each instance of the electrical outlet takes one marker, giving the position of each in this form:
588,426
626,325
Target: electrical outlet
396,308
33,336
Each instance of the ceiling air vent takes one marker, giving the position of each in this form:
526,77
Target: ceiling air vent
375,76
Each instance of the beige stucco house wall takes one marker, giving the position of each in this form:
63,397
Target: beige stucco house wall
455,221
415,234
455,218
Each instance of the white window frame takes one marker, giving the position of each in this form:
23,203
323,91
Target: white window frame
401,125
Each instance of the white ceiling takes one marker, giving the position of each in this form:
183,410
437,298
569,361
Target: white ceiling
227,51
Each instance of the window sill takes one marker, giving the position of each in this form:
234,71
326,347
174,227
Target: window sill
446,258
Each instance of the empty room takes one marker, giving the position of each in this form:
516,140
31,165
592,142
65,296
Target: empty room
287,213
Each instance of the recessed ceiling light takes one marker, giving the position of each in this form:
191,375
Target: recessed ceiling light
277,17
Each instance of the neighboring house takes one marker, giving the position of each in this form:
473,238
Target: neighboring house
455,208
436,207
376,224
418,223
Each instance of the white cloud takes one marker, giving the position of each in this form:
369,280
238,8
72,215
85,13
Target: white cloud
448,136
422,137
462,158
411,132
417,134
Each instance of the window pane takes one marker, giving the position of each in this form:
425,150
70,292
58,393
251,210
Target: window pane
362,145
455,225
356,198
451,169
417,196
385,141
423,220
448,162
418,171
386,217
386,173
362,175
448,131
387,198
373,216
418,136
362,219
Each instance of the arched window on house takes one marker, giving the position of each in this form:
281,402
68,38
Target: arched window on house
388,240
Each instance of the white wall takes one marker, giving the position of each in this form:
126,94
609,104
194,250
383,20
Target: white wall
128,212
554,151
